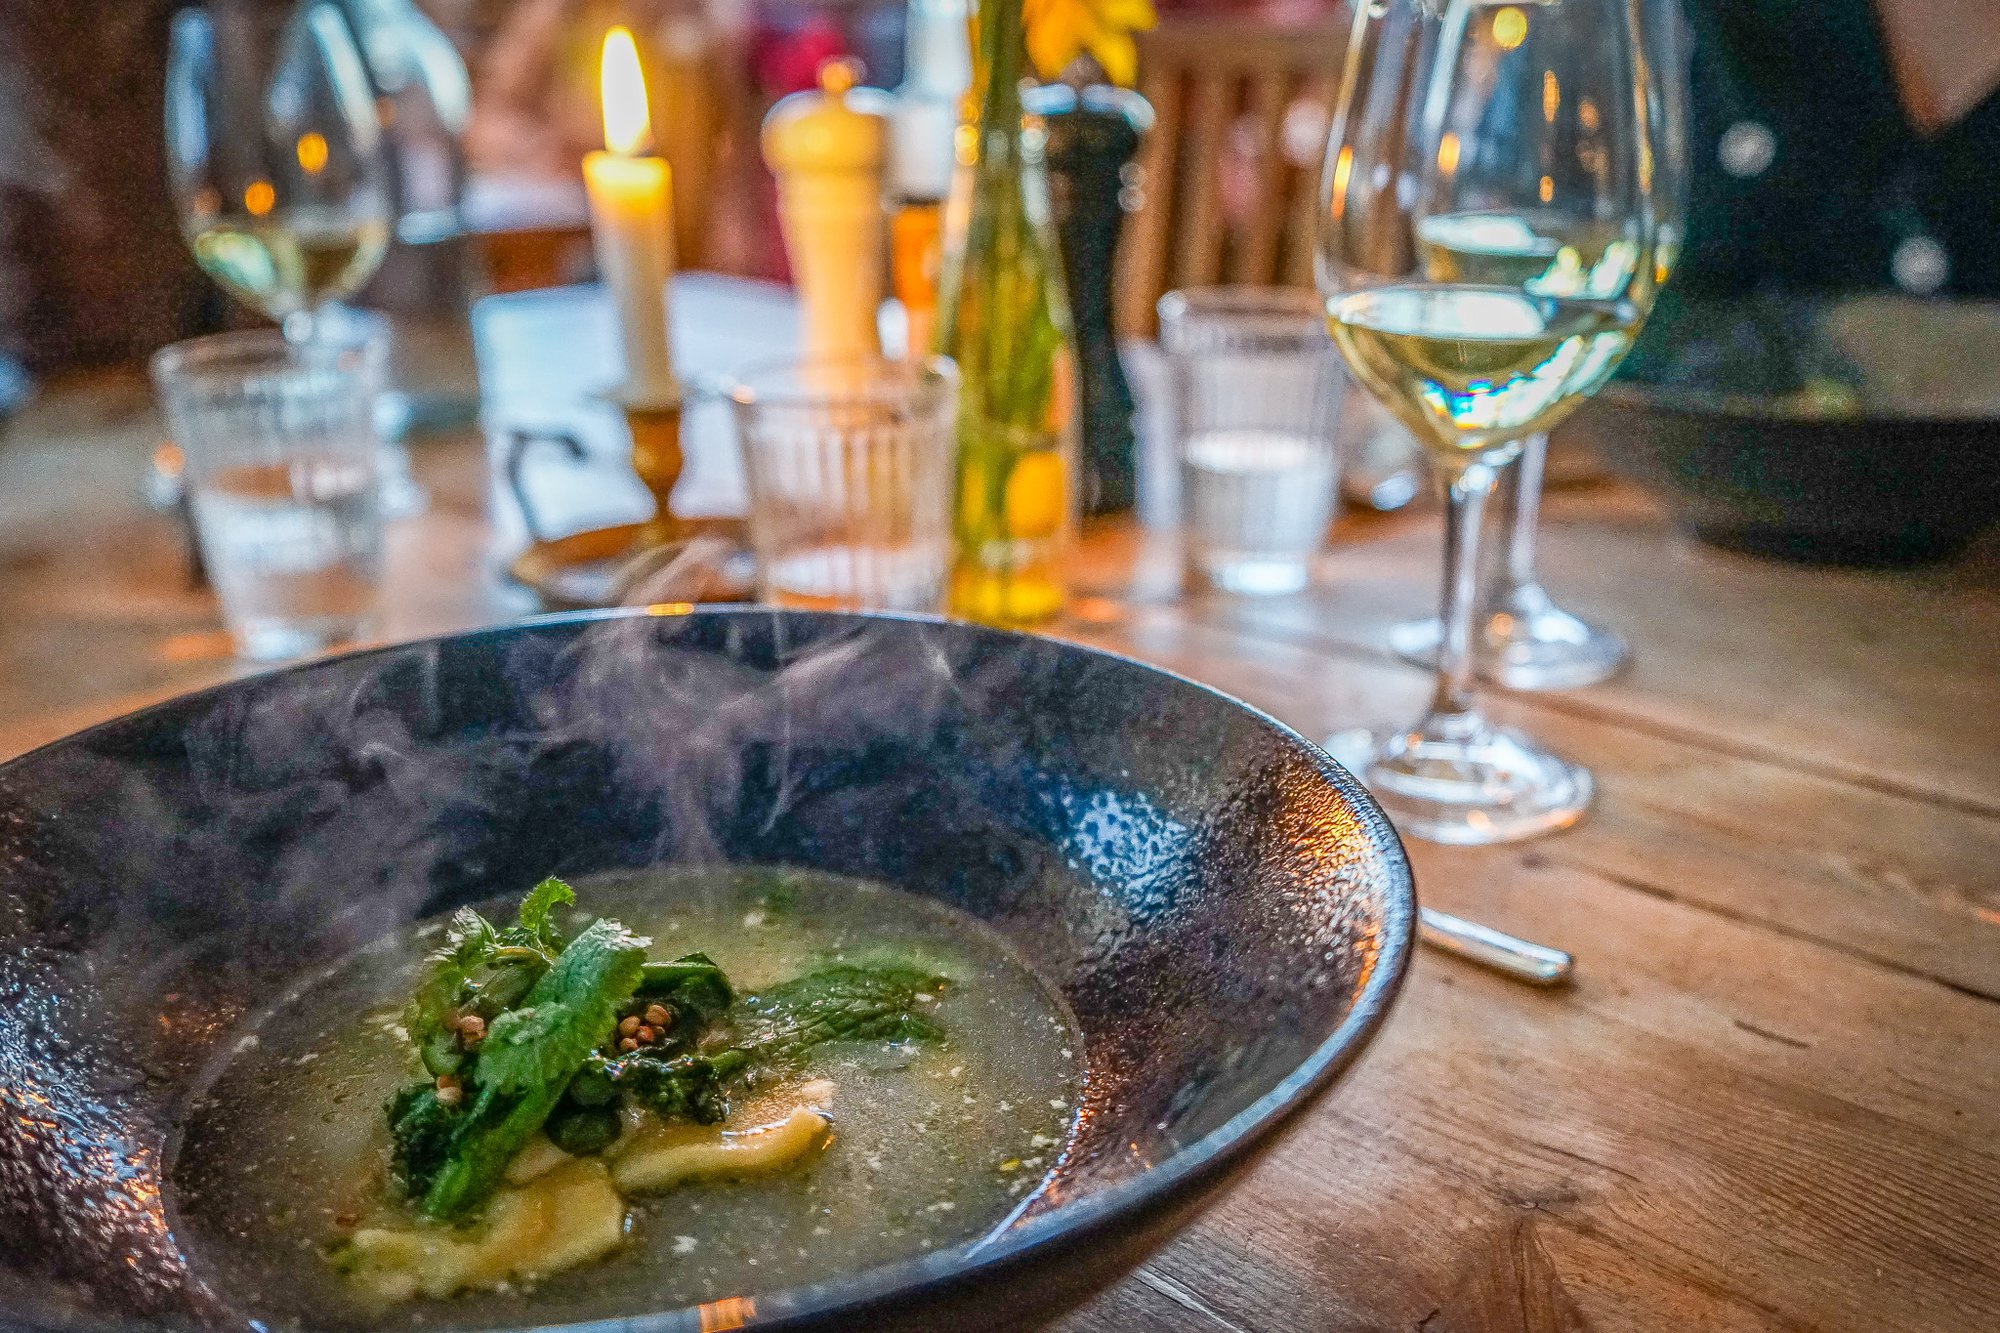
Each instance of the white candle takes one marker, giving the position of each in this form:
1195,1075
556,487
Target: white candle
631,225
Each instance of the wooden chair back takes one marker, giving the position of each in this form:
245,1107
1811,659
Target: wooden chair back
1231,170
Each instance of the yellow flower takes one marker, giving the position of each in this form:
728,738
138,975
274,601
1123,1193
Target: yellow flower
1061,30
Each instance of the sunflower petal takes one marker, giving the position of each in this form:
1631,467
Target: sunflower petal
1129,15
1051,45
1118,53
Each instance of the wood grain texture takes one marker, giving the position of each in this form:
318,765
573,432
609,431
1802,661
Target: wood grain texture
1253,258
1893,878
1205,135
1771,1102
1142,256
1667,1171
1886,680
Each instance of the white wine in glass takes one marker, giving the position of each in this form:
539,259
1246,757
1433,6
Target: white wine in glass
275,150
1487,253
1522,638
1538,251
1470,368
293,261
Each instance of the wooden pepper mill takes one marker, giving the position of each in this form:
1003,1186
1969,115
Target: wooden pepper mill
828,148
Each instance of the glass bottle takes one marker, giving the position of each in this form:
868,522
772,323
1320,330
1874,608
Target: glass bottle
1003,316
937,68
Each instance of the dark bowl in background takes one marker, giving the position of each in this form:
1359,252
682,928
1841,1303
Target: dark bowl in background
1226,911
1882,491
1856,431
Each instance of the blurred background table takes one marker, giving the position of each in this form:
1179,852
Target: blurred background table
1772,1100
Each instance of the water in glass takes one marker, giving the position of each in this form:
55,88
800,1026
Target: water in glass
1256,392
294,549
284,480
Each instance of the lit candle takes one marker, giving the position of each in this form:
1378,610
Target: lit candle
631,225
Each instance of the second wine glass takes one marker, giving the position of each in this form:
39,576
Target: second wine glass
1459,120
275,156
1523,639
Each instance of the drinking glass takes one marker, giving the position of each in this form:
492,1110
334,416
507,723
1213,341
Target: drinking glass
1256,392
275,158
1524,640
849,468
282,473
1455,122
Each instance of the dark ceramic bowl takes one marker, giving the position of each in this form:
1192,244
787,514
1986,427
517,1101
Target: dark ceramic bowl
1226,911
1839,490
1852,431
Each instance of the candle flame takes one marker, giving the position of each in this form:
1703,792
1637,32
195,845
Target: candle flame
626,127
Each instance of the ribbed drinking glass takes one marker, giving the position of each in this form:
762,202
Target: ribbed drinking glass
282,469
849,465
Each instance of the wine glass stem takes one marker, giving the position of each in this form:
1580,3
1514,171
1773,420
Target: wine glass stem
1466,491
1523,504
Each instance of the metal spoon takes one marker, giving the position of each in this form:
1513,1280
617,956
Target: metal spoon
1522,960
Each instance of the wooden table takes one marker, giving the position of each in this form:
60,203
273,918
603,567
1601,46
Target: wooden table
1771,1101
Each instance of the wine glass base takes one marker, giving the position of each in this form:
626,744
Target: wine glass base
1489,786
1547,650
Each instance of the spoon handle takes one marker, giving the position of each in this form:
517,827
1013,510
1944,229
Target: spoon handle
1523,960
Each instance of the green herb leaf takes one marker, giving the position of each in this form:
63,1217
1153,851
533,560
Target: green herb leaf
482,969
777,1027
693,985
689,1087
567,1014
485,1141
528,1058
837,1003
469,940
420,1134
469,944
542,900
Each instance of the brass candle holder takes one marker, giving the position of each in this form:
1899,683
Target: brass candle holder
658,460
666,558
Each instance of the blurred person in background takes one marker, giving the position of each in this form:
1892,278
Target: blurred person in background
1843,145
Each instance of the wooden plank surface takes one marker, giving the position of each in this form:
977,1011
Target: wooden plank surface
1771,1102
1885,680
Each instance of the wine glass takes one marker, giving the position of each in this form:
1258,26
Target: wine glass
276,161
1524,640
1460,125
